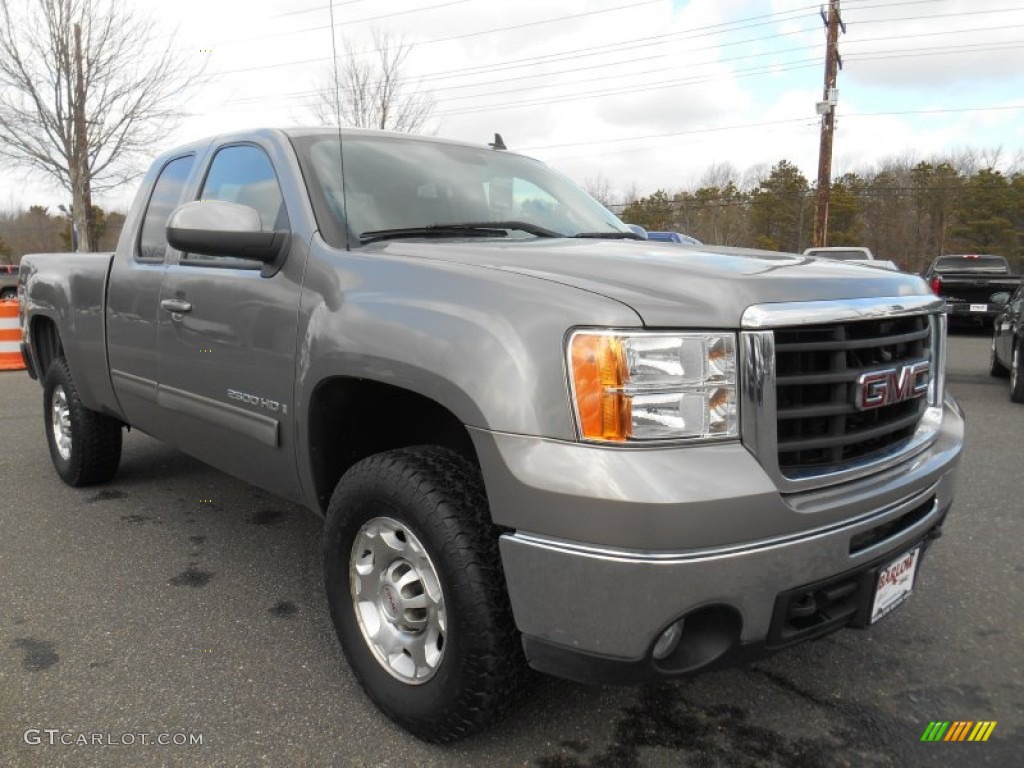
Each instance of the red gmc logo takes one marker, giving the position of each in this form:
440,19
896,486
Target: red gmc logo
892,385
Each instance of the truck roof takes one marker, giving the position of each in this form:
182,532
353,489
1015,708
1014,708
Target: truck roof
323,130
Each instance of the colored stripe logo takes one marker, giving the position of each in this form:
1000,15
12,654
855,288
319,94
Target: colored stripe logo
958,730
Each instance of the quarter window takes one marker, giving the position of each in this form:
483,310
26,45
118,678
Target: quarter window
166,196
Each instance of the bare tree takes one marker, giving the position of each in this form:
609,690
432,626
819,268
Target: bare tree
599,188
85,91
370,90
719,175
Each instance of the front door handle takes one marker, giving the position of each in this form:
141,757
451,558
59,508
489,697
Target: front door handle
177,306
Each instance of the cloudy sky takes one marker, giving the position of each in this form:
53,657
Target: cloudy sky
647,94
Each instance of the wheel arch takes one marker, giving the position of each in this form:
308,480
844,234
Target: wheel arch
351,418
45,342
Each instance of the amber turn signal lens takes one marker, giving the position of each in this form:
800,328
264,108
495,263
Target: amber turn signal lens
599,373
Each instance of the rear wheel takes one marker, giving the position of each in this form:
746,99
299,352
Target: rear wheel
417,593
85,446
1017,373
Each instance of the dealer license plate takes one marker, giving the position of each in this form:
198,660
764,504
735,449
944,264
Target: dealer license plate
979,307
895,583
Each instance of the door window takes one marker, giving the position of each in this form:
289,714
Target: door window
243,174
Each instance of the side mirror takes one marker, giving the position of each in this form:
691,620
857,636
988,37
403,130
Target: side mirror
220,228
1001,298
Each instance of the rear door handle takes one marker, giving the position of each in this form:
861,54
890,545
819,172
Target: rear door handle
177,306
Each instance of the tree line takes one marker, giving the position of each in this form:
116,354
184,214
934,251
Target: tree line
907,212
38,230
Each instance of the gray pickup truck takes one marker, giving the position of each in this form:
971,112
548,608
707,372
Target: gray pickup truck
535,438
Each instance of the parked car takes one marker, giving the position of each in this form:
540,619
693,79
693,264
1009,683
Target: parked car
968,283
535,437
8,281
850,253
673,237
1007,359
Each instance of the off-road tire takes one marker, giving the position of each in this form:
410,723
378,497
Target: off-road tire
438,496
95,439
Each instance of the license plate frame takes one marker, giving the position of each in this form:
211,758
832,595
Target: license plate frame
978,308
894,583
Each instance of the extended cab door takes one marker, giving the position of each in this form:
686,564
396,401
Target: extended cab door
133,296
227,338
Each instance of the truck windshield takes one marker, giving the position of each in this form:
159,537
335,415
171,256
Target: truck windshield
399,185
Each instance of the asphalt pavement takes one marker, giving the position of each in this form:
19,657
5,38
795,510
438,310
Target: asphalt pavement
175,617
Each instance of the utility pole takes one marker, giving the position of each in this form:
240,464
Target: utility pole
827,110
81,186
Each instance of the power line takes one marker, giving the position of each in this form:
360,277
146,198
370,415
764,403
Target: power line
549,74
703,32
550,57
667,84
524,25
770,68
745,126
316,9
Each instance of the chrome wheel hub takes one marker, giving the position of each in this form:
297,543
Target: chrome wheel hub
397,599
60,422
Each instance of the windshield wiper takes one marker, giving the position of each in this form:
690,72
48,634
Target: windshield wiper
611,235
461,229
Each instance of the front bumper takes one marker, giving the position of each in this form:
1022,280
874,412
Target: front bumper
610,547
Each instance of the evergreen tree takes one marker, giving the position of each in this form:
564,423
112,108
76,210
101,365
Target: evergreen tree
652,213
985,214
780,210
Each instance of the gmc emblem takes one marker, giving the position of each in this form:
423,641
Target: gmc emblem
892,385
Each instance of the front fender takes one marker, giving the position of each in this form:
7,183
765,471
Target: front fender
485,344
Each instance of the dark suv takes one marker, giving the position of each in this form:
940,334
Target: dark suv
1008,341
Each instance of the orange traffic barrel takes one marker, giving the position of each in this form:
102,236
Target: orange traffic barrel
10,337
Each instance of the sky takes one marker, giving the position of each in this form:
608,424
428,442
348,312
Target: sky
639,94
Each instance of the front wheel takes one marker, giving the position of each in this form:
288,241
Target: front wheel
1017,373
417,593
85,446
995,368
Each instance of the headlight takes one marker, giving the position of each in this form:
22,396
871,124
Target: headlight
653,385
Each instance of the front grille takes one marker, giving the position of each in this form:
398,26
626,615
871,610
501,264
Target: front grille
819,427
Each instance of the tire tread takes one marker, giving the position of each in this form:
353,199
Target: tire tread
449,489
96,437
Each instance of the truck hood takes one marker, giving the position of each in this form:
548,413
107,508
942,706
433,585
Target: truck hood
669,285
